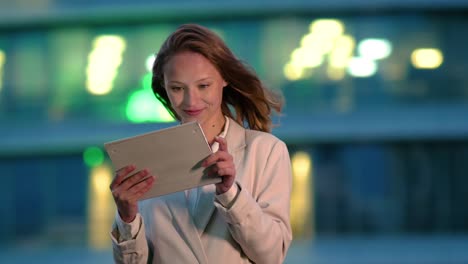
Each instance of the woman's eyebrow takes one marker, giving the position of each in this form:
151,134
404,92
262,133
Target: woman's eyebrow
175,82
199,80
204,79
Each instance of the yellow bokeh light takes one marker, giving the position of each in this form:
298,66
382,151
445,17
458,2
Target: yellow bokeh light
302,202
336,74
306,58
342,52
327,28
293,72
317,43
2,62
101,209
103,63
101,178
301,166
427,58
325,36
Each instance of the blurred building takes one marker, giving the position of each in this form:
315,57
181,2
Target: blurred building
376,115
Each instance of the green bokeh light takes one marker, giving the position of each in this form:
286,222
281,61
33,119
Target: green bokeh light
142,105
93,156
146,81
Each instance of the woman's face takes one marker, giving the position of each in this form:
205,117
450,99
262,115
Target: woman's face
194,87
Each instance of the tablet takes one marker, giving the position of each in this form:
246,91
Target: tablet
174,155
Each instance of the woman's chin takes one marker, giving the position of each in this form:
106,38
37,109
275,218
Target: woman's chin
189,119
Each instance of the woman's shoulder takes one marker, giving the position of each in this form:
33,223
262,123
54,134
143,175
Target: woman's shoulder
260,137
251,137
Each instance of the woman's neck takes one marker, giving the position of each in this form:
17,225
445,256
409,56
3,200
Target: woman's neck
212,128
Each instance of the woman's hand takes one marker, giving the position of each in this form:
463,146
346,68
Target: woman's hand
223,165
127,191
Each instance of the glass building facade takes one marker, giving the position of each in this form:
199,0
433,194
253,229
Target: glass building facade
376,120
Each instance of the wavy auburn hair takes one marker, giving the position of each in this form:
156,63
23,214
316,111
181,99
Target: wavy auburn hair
245,93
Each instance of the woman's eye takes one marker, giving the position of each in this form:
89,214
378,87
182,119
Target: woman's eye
205,85
176,88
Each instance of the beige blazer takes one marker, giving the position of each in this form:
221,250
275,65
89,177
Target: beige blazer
256,229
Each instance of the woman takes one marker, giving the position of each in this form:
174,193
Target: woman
245,217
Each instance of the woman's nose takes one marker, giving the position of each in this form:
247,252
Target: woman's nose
190,97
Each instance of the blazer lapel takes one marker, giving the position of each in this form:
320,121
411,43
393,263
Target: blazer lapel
235,137
204,209
177,204
236,144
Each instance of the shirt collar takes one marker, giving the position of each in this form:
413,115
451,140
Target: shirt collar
215,145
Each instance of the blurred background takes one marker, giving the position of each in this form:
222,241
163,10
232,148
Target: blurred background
376,119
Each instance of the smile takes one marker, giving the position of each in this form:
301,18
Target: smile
193,112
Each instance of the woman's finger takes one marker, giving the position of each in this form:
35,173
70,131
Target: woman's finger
224,164
222,143
139,189
128,195
134,179
211,160
227,172
223,168
121,175
216,157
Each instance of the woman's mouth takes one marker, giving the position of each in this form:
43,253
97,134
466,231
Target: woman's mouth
193,112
